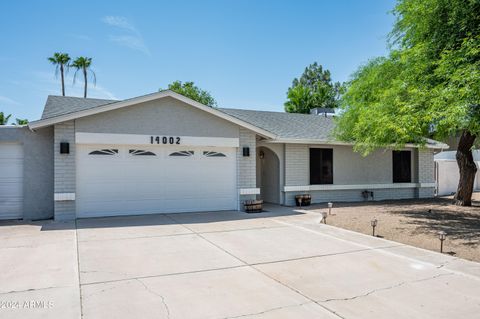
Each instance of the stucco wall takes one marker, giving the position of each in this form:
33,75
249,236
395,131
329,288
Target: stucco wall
37,169
162,117
268,175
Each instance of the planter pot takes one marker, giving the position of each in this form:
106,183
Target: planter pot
303,200
253,206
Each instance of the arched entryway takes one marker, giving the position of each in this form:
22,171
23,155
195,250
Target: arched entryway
268,175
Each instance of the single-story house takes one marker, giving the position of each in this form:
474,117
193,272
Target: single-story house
165,153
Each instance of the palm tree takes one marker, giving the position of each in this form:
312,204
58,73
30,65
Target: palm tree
83,63
4,118
60,60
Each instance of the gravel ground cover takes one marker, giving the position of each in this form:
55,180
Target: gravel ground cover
415,222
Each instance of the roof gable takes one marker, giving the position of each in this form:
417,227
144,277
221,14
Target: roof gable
56,111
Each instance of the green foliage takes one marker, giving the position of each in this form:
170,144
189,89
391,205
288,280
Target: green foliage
83,64
21,121
190,90
4,118
59,59
314,89
429,85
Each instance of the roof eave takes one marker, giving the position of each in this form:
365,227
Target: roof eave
331,142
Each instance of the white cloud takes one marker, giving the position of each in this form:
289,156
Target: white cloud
81,37
131,39
7,100
132,42
51,85
119,22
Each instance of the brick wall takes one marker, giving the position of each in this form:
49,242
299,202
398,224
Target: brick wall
354,195
64,170
246,165
297,158
426,167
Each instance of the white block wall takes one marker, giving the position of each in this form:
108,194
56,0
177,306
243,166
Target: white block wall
246,165
426,172
297,163
64,170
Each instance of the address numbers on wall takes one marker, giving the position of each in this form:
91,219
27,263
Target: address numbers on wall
165,140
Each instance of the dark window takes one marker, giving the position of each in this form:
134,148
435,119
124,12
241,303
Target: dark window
321,166
402,167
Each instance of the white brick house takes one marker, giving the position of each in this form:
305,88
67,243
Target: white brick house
166,153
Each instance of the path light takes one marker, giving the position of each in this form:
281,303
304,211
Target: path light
324,217
374,223
330,205
442,236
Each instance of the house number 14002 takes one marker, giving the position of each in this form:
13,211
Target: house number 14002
164,140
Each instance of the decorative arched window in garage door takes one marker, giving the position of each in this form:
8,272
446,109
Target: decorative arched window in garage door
104,152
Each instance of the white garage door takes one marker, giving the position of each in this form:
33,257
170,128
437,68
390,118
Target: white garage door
11,181
120,180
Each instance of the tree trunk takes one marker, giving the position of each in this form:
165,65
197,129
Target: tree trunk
467,168
85,78
63,80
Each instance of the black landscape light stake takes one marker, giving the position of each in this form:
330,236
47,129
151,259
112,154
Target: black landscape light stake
442,236
324,217
330,205
374,223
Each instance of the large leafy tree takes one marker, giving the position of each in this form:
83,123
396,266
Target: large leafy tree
60,60
428,86
190,90
314,88
83,64
4,118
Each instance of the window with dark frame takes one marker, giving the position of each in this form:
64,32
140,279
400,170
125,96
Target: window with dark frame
321,166
402,167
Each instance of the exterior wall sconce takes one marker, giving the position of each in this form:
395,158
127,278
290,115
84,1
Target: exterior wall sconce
246,151
64,148
442,236
261,155
374,223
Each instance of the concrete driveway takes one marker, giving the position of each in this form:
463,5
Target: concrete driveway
280,264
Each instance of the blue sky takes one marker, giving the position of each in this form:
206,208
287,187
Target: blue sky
246,53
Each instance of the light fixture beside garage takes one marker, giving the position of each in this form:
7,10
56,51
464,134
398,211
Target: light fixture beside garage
64,148
246,151
261,155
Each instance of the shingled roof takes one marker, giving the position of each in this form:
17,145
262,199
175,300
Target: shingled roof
288,125
61,105
285,126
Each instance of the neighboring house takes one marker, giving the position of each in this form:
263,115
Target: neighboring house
447,174
165,153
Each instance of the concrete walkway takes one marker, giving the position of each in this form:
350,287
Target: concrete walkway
280,264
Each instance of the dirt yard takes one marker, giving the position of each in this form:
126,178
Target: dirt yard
416,223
